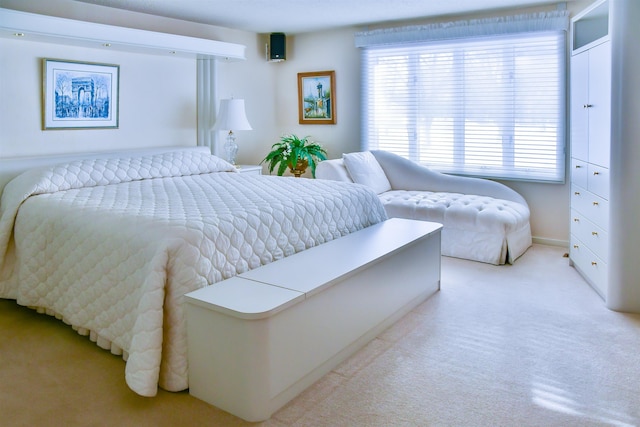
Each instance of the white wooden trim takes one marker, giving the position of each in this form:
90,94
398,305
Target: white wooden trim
52,29
206,102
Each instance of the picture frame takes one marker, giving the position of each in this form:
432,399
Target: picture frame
317,98
80,95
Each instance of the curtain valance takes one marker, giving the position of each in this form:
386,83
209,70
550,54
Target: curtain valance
534,22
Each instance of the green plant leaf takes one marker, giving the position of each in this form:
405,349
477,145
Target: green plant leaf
291,149
282,168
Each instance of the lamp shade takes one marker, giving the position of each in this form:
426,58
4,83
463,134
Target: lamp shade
232,116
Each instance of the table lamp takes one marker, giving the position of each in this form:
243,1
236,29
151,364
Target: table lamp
231,117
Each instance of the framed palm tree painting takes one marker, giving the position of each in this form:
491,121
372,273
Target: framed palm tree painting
317,98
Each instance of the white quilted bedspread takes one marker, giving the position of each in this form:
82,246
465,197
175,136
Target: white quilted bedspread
111,245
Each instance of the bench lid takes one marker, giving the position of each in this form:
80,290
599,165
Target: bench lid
243,298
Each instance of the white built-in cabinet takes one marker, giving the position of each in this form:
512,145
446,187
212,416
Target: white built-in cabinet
590,103
605,150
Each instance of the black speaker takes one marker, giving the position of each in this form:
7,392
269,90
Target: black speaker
278,49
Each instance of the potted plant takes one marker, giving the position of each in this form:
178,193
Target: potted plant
296,154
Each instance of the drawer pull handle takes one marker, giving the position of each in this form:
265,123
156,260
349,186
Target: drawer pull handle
594,263
576,219
594,233
578,166
577,193
596,173
596,204
587,105
575,246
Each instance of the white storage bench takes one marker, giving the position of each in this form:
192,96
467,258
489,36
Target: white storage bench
257,340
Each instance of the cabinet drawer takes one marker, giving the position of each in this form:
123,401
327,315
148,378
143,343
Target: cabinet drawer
598,180
592,268
579,170
590,234
590,205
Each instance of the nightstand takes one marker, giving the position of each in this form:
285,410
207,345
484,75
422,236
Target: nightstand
254,169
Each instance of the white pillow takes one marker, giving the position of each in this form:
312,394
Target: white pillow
364,169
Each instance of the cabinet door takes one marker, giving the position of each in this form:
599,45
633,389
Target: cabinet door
579,101
600,104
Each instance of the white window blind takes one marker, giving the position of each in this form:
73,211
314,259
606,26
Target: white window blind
489,105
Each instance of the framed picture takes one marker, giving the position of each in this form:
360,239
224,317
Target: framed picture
79,95
317,98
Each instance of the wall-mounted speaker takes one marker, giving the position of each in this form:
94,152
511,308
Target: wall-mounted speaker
278,49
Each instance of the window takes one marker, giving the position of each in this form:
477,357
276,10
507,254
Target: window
487,105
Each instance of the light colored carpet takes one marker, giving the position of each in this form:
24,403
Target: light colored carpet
523,345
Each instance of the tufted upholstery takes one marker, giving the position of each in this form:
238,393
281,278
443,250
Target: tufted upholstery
482,220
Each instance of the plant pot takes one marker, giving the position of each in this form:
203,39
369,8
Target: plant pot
301,166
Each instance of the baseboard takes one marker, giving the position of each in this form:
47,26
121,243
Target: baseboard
551,242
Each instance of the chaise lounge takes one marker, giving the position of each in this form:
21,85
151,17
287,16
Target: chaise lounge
482,220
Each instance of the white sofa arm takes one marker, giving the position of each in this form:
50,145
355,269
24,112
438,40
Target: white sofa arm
404,174
333,169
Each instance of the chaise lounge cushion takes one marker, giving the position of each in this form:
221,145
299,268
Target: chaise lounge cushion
482,220
475,227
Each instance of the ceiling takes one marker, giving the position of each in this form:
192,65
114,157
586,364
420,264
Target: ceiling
299,16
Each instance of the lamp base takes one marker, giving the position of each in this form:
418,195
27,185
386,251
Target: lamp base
231,148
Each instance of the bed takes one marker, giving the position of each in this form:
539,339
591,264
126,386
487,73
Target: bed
110,244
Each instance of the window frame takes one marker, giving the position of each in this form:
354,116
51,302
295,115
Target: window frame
556,151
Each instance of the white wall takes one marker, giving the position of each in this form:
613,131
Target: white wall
321,52
269,90
549,203
623,293
156,101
